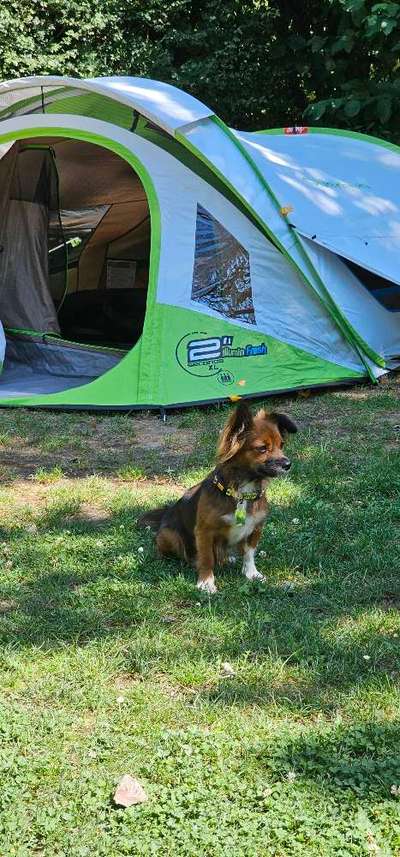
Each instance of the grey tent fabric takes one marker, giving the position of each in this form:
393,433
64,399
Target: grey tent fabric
49,365
65,227
25,300
7,167
74,222
25,264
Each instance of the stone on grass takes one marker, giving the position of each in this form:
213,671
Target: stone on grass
129,792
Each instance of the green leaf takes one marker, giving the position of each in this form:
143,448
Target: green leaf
316,111
389,10
296,42
354,5
344,43
384,110
352,107
317,43
373,26
387,27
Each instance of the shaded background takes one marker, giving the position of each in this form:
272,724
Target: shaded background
258,64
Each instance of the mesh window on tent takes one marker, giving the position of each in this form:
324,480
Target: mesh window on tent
221,273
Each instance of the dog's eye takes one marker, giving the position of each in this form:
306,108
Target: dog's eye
261,448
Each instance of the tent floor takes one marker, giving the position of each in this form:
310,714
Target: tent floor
48,365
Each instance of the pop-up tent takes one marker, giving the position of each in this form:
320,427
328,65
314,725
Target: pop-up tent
151,256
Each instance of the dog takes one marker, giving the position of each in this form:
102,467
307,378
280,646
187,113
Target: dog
227,510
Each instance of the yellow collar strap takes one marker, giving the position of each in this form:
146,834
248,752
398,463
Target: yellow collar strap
232,492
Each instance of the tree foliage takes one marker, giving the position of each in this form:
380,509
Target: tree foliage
354,78
257,63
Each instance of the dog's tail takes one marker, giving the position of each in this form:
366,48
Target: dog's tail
153,519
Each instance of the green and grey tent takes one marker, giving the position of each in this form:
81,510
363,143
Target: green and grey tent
150,256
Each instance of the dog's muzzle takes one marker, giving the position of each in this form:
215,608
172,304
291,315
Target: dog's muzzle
275,467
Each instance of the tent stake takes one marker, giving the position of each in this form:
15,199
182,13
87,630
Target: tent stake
163,415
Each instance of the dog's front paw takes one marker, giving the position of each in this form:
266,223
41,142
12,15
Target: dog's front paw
253,574
207,584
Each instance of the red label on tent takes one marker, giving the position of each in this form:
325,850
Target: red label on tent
296,129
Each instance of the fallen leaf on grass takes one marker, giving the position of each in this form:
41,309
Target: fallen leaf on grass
227,670
129,792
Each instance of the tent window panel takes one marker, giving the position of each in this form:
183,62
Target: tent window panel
221,273
384,291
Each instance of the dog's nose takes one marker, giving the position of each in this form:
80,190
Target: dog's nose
286,464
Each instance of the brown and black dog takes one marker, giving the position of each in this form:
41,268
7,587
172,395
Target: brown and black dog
226,511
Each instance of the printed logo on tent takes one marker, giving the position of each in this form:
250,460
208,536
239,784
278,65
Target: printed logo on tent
221,272
338,184
204,356
296,129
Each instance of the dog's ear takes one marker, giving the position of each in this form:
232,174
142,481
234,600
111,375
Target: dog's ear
234,433
284,423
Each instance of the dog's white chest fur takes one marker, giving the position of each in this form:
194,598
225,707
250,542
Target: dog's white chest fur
239,532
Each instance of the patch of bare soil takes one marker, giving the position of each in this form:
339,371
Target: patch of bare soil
127,680
22,461
102,446
6,606
89,513
390,601
152,433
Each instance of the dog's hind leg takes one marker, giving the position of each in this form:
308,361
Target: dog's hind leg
170,543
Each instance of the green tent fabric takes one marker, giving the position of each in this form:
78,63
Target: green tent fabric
153,257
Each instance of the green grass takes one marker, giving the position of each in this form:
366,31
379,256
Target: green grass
130,473
111,661
54,474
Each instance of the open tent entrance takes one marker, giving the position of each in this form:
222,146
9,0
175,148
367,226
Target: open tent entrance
74,263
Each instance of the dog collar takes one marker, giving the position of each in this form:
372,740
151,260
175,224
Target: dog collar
240,497
232,492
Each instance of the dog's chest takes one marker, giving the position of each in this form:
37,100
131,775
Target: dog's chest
238,532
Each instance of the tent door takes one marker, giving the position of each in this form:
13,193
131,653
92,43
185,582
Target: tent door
349,254
28,194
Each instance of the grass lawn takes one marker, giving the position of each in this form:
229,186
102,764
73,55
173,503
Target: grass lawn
110,660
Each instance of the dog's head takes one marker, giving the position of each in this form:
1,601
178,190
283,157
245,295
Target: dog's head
255,443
